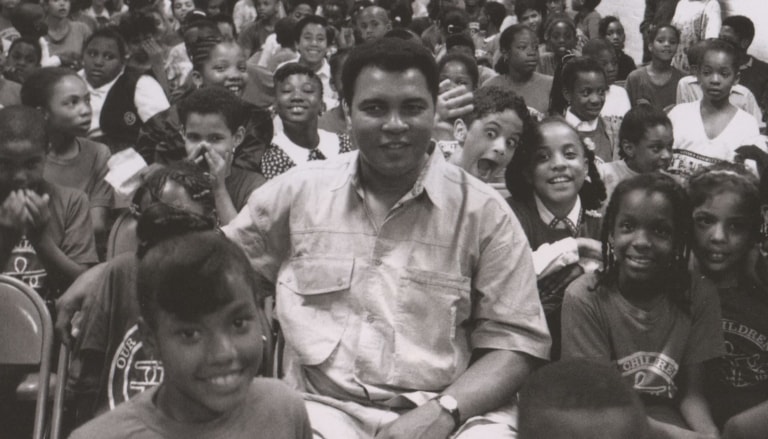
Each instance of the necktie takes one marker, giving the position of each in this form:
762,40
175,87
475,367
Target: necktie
315,154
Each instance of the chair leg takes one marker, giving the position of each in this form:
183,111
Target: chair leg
61,386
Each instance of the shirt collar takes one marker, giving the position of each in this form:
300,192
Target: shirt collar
547,216
747,64
429,180
99,90
578,124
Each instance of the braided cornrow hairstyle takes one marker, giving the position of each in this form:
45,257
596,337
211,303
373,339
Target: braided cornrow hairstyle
679,278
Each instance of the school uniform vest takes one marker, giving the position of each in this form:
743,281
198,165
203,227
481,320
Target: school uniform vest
119,120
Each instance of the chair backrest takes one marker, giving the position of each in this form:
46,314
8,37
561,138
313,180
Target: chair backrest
26,337
122,236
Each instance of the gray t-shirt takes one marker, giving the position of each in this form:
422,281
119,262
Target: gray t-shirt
647,346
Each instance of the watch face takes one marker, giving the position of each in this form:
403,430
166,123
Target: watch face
449,402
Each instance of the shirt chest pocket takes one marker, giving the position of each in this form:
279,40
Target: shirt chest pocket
313,305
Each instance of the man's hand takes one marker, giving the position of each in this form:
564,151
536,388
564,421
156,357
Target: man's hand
13,213
453,102
76,298
428,421
39,215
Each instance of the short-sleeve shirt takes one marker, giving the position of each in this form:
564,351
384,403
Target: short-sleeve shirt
386,313
270,410
70,229
613,173
535,92
72,42
240,184
647,346
85,171
693,150
641,89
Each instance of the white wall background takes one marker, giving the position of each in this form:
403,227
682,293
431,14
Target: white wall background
630,12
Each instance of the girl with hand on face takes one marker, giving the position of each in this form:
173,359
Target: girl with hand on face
557,205
644,313
656,83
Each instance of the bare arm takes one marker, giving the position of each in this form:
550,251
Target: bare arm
693,405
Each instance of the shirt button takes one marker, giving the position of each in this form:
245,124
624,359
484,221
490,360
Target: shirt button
377,262
370,318
340,281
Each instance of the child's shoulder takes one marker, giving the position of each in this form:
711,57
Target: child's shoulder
703,294
270,397
125,421
584,288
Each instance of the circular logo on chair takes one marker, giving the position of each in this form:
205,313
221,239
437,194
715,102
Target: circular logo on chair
132,370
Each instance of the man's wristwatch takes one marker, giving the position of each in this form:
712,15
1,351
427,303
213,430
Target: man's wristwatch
450,405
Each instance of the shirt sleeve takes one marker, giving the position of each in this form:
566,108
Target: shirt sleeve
79,244
713,19
149,98
102,194
706,339
584,334
507,308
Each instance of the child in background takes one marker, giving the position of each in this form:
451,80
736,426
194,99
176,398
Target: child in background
644,313
612,30
464,45
726,222
531,13
72,160
180,9
645,145
459,69
587,19
30,20
23,57
47,238
335,119
372,22
200,316
696,20
122,99
616,98
487,40
578,399
311,38
299,100
490,134
517,68
252,35
181,194
65,36
301,9
213,123
656,83
9,90
243,14
584,88
753,73
7,32
560,38
709,131
557,206
689,90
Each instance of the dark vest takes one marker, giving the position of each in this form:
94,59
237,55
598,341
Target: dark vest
119,120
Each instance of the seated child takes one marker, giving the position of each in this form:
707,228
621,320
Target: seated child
689,89
459,69
122,99
517,68
373,22
47,237
253,34
201,316
490,134
616,98
560,38
644,313
557,206
578,399
463,44
709,131
73,161
23,56
753,72
584,88
645,140
299,94
108,336
587,20
656,83
65,37
726,222
612,30
531,13
213,126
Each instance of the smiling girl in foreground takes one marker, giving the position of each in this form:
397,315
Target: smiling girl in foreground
644,312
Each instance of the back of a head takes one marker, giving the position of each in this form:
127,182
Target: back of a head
38,88
460,39
22,123
578,399
696,52
495,12
213,99
391,55
454,20
284,31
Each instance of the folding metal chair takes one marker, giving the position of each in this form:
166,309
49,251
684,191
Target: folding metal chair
26,339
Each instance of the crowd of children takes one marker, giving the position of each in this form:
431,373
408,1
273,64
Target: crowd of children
641,186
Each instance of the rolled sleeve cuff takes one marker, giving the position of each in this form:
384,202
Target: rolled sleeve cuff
533,339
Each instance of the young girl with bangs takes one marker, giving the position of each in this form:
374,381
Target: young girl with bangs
557,206
644,312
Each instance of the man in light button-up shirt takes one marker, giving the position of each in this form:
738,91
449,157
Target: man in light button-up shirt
398,277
